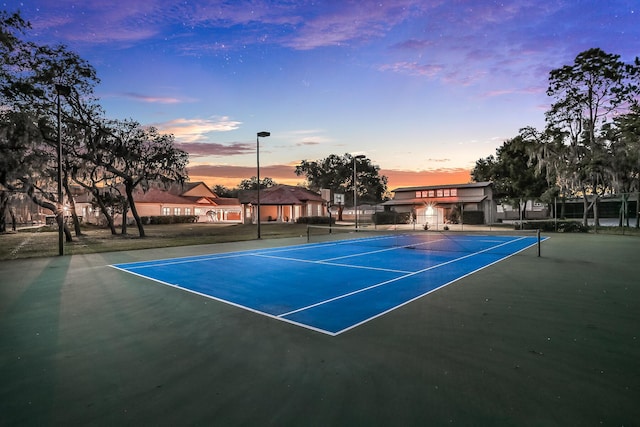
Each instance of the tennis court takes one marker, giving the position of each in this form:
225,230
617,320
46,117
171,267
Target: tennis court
340,282
550,340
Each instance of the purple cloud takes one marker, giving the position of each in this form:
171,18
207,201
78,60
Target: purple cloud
152,99
414,69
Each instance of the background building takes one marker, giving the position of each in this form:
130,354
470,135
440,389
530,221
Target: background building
443,204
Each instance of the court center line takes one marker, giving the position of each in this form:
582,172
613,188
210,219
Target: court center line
323,262
386,282
383,250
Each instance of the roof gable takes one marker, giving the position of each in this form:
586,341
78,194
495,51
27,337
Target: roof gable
280,194
197,189
190,189
435,187
156,195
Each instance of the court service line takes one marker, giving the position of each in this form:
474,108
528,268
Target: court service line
386,282
323,262
210,257
383,250
148,264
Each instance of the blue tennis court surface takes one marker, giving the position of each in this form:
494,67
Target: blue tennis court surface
332,287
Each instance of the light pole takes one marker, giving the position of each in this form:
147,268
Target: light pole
262,134
355,187
61,90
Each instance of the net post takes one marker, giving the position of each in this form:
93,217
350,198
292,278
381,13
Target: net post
538,240
308,234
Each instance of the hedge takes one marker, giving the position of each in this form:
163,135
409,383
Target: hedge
391,218
315,220
562,226
169,219
473,217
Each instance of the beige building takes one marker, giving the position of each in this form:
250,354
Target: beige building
282,203
442,204
190,198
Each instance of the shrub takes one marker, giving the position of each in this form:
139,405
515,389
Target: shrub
315,220
473,217
168,219
391,218
563,226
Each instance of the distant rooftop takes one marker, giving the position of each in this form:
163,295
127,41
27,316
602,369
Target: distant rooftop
434,187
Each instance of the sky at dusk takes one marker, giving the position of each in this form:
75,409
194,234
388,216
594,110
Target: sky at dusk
422,88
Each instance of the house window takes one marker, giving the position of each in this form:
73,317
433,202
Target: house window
438,193
454,192
446,192
166,211
418,193
187,211
176,211
432,193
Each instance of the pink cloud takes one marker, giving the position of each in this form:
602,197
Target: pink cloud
200,149
196,130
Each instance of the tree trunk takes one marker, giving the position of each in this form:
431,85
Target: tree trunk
106,213
134,211
585,210
59,213
638,208
125,212
4,202
72,208
13,219
624,211
61,224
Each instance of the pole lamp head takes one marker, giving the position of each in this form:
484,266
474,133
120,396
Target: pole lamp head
264,134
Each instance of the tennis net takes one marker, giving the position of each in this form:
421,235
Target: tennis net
498,241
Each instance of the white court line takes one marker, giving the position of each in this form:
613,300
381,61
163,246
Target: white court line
253,310
327,261
323,262
174,261
386,282
210,257
384,250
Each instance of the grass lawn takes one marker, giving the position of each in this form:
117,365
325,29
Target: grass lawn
43,241
530,341
37,242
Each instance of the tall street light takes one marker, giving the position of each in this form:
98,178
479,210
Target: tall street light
61,90
355,187
262,134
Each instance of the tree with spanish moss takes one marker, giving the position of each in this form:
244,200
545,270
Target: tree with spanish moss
586,95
